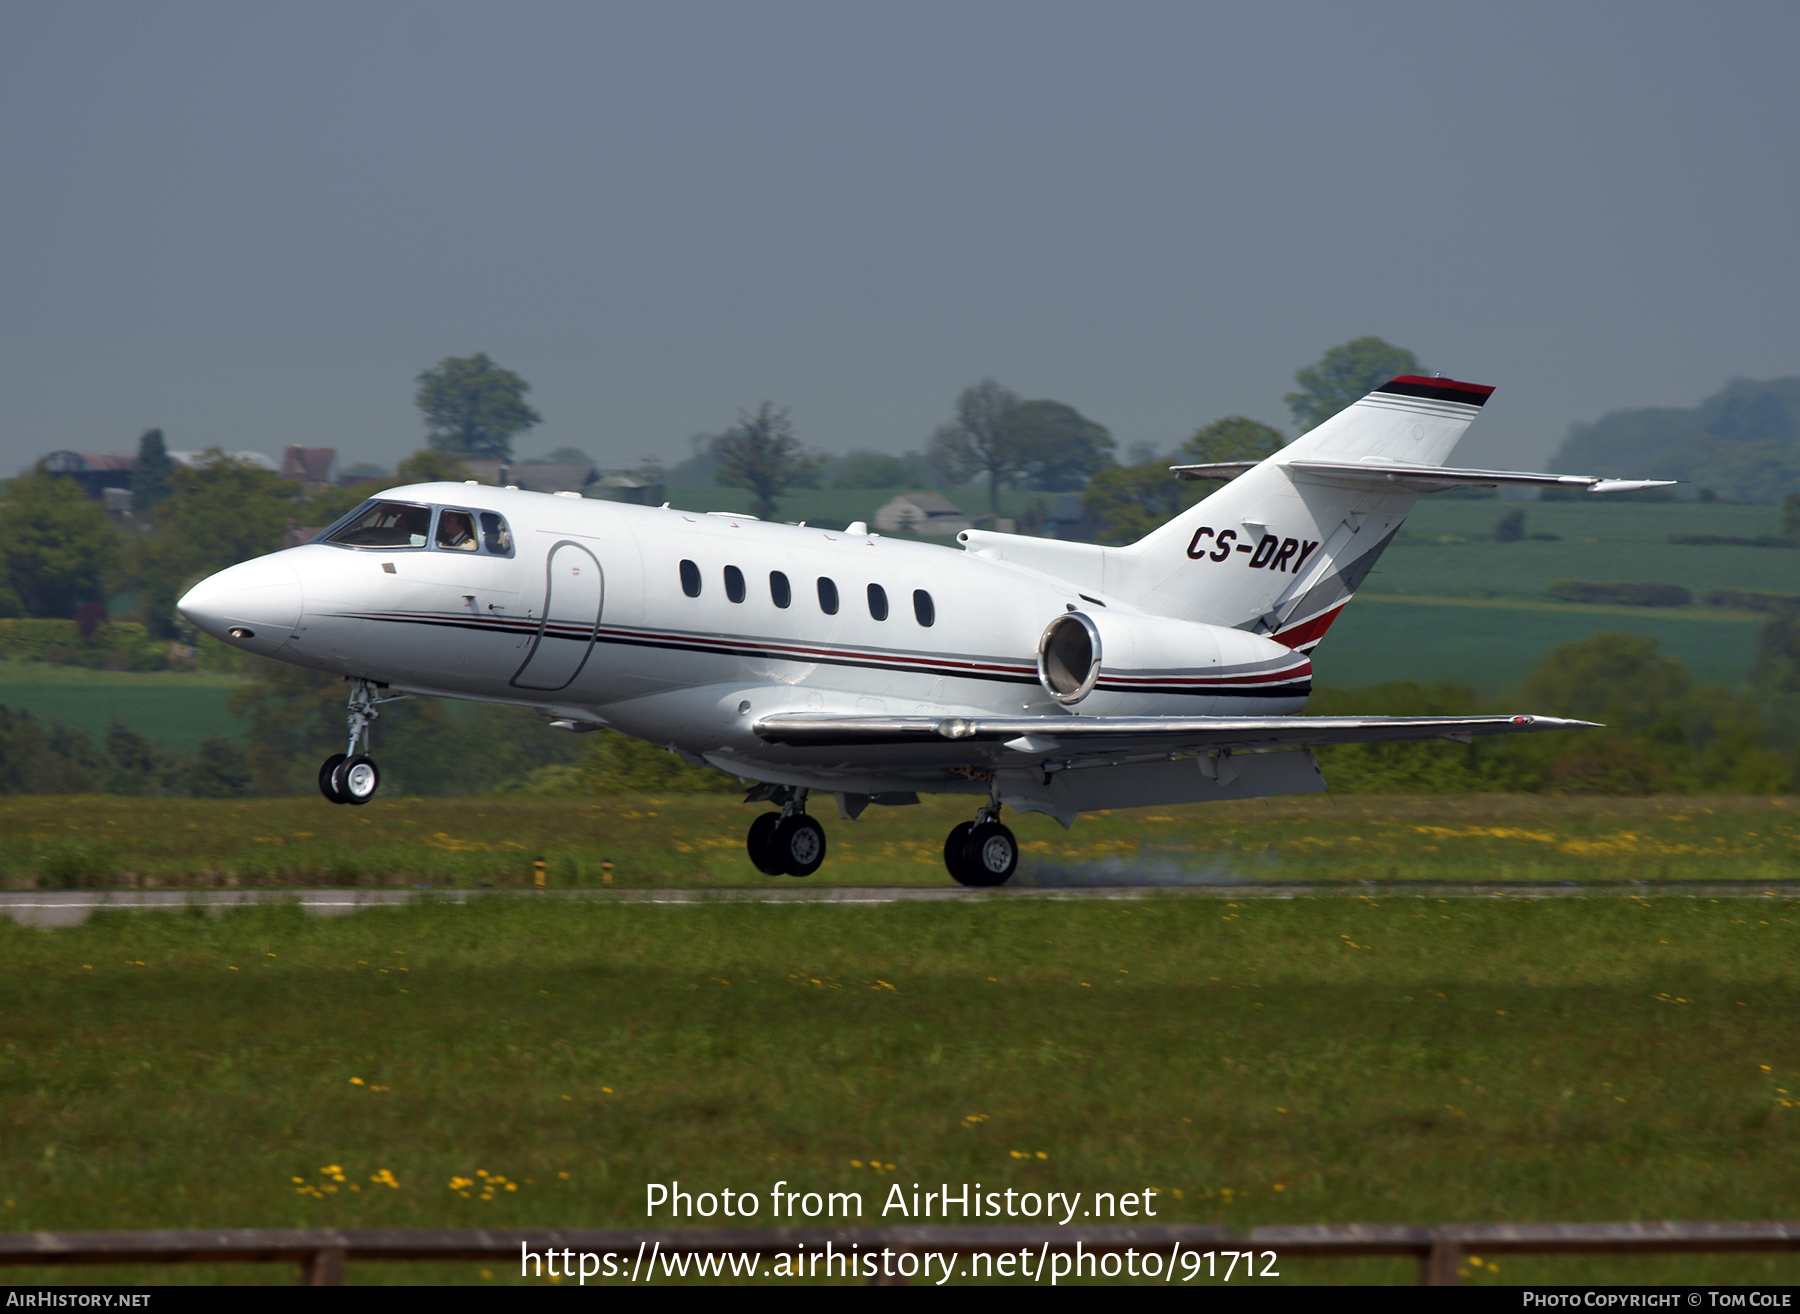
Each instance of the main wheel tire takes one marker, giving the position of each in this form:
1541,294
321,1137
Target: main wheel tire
990,854
357,778
761,830
327,770
953,854
799,842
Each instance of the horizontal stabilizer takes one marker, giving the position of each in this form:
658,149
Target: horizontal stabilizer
1077,736
1424,478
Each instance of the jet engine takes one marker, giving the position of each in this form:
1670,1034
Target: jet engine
1155,656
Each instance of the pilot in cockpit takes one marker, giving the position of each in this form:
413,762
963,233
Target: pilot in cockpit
456,531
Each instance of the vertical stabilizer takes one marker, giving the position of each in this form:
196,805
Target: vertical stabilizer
1279,551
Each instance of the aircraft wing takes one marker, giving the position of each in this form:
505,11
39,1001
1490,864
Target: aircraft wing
1081,736
1425,477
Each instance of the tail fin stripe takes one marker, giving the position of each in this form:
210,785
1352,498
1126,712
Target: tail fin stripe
1452,410
1450,390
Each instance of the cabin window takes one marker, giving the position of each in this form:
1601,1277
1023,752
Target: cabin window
456,531
690,579
828,599
734,583
877,602
923,608
495,536
779,590
387,525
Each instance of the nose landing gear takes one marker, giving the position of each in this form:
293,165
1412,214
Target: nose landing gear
788,842
353,777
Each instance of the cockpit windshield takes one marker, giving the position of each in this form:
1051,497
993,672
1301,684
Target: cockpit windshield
387,525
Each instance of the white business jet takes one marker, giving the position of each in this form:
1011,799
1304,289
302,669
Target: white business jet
1041,675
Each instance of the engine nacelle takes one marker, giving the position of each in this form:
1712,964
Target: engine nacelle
1155,658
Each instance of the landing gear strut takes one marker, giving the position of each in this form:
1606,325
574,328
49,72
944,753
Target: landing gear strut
353,777
982,852
788,842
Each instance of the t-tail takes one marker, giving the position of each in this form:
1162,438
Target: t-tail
1282,547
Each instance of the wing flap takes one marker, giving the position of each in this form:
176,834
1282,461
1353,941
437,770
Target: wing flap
1077,736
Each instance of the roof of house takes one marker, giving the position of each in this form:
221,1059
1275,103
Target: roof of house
932,504
81,462
534,478
311,465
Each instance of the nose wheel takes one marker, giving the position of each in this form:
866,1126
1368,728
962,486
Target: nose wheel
981,853
353,777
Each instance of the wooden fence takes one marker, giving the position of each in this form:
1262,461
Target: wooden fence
321,1254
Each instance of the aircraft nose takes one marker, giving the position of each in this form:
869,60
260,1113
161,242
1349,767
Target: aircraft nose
253,605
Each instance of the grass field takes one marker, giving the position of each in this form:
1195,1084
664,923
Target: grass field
101,842
1600,541
175,707
1336,1059
1490,645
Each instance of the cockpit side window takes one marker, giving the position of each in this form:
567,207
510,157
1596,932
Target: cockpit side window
456,530
495,536
387,525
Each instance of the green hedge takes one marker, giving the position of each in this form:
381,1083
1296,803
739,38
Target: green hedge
111,645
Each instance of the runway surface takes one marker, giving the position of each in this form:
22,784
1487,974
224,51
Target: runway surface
72,907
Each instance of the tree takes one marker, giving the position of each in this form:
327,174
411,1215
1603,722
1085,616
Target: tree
473,407
217,514
562,456
978,441
1234,438
56,546
427,466
1133,500
1057,447
150,476
1345,374
762,454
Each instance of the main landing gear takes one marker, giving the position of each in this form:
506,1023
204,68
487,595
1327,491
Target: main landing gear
353,777
982,852
788,842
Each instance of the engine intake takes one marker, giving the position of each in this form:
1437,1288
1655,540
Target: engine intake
1068,657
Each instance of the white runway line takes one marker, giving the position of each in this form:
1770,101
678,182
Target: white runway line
73,907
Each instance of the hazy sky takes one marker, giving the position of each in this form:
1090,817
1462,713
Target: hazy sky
253,224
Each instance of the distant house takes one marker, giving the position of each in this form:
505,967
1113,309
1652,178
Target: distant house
193,460
627,488
930,515
94,471
535,478
310,465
